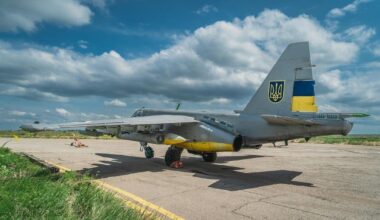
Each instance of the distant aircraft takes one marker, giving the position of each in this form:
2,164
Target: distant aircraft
283,108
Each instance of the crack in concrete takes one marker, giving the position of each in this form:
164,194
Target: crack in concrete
270,197
171,194
301,210
235,211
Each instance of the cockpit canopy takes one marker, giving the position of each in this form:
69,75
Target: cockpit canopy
138,113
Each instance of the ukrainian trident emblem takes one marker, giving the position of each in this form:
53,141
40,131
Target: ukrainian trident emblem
276,90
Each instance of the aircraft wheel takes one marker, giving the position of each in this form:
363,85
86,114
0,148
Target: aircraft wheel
172,154
209,157
149,152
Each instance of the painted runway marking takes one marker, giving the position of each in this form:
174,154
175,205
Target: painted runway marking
140,204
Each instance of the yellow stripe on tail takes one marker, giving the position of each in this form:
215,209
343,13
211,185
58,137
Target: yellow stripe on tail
304,104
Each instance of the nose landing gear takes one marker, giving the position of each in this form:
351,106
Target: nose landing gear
148,151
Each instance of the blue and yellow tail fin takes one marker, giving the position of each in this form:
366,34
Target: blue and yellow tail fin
303,99
289,86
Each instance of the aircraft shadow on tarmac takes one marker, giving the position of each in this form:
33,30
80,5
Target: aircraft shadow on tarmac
228,176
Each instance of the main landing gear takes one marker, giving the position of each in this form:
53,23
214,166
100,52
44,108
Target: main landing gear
209,157
149,152
173,156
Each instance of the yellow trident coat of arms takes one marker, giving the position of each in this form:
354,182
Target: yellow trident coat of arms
276,90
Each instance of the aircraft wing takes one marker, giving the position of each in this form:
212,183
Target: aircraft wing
123,122
133,121
286,120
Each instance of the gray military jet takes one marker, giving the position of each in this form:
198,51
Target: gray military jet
283,108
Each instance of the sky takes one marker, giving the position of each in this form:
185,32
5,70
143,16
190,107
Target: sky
78,60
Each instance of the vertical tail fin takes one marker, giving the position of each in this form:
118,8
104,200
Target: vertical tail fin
289,86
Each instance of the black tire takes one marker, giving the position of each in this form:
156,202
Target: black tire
172,154
149,152
209,157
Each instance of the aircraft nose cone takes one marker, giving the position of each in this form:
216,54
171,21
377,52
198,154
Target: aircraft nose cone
347,127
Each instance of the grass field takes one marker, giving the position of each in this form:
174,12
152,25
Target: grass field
49,134
369,140
29,191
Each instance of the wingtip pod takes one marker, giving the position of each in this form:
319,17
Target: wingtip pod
360,115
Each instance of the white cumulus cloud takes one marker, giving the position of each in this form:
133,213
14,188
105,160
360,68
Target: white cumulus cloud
26,15
20,113
223,60
350,8
376,50
360,33
30,93
62,112
206,9
115,103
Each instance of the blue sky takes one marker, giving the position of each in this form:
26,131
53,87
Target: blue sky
97,59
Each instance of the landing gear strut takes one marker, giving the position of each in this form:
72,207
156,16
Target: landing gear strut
209,157
148,151
173,154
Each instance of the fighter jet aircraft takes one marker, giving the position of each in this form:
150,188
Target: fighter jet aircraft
283,108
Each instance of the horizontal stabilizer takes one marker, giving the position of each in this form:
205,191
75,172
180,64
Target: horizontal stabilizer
353,115
285,120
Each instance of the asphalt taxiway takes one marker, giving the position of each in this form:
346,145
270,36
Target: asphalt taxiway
300,181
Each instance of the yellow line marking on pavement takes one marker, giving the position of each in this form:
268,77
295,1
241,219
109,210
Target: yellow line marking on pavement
62,169
135,205
138,200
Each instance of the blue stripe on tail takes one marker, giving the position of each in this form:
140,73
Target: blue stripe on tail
304,88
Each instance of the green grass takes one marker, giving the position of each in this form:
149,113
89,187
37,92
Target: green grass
29,191
369,140
49,134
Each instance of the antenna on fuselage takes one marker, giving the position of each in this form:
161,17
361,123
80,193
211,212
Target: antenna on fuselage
178,105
